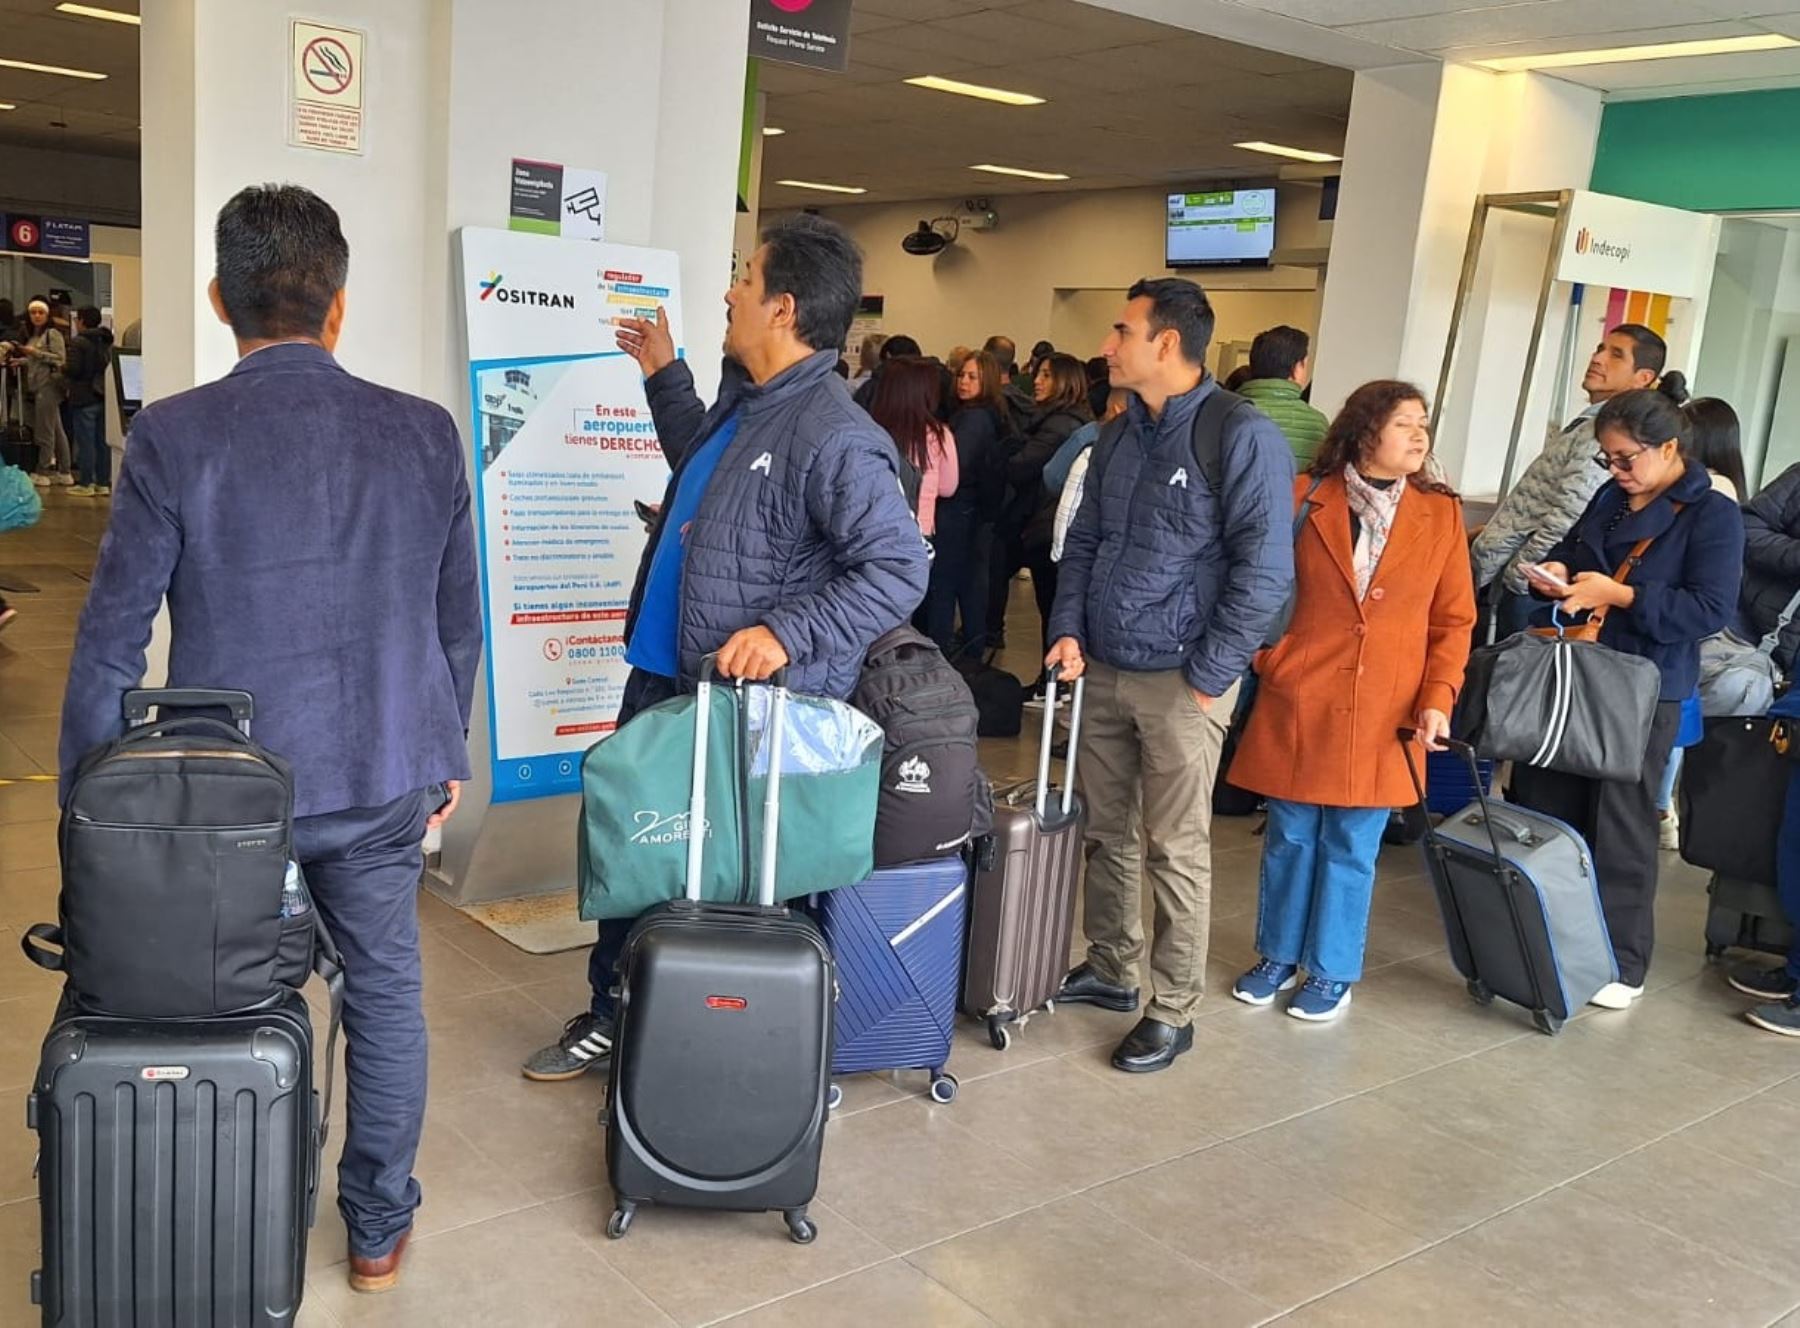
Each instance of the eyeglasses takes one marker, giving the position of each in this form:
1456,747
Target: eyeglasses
1608,462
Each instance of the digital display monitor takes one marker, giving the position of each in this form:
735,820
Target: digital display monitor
1220,228
131,378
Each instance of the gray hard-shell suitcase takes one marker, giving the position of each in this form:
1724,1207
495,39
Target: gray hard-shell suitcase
1521,904
1023,906
722,1054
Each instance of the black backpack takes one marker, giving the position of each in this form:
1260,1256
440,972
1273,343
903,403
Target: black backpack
175,845
930,778
999,697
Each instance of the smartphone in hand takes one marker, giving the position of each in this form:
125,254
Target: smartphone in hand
1544,577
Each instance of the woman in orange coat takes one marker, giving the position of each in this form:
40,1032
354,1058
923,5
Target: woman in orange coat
1383,609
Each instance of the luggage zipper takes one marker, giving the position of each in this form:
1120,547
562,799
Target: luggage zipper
187,752
84,820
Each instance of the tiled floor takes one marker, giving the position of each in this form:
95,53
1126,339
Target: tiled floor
1424,1162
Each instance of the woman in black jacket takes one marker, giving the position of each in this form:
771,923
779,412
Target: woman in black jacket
1772,565
965,520
1060,392
1682,590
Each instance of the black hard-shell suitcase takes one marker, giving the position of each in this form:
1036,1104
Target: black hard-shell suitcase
722,1054
1745,915
178,1167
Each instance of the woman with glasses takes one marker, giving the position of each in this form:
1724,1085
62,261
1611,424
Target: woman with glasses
1682,590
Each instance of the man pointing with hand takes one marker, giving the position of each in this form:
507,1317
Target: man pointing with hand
783,540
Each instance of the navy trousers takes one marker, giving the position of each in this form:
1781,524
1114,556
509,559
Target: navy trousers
363,868
642,690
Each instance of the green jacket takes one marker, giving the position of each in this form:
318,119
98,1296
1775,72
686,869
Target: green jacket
1279,399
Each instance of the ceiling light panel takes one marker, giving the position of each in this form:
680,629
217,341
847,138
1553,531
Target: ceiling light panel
1614,55
1281,150
824,188
94,11
1020,171
1001,95
30,68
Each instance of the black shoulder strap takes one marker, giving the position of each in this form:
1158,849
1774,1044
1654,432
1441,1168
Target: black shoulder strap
888,642
1209,435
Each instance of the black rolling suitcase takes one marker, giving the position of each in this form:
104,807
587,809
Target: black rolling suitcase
722,1055
179,1130
178,1168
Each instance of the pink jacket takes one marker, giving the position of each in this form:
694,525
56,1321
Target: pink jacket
940,477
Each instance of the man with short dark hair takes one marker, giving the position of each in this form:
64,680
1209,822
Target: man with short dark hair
1554,490
90,356
1178,560
265,506
1280,369
783,539
1005,353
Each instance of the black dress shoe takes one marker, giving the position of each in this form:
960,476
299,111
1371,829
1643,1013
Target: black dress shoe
1083,987
1152,1045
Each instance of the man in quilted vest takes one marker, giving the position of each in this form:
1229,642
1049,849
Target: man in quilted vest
783,541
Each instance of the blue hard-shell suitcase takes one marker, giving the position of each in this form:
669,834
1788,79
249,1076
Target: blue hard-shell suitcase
897,940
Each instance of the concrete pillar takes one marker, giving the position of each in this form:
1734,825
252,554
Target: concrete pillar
1424,142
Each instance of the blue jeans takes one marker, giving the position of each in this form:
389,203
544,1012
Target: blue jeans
1665,791
93,458
1318,876
642,690
363,868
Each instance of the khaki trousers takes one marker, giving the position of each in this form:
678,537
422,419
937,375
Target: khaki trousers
1146,767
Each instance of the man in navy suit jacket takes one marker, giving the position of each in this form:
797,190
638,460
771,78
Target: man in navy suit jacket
312,534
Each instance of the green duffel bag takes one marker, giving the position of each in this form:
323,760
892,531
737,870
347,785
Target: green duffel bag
638,804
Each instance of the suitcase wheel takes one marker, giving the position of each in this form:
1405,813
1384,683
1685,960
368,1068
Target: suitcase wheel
998,1033
801,1229
943,1088
620,1221
1480,992
1714,950
1546,1022
834,1097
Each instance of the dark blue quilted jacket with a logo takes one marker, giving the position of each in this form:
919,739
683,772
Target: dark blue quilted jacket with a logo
1158,571
803,527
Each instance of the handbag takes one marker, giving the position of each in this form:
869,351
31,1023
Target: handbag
1560,703
1737,678
637,791
1734,794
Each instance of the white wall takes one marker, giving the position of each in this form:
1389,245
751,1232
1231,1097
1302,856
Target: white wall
69,184
124,249
1424,142
1058,265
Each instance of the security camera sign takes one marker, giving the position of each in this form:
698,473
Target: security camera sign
326,107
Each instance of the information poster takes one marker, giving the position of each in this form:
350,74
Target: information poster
326,78
564,447
551,199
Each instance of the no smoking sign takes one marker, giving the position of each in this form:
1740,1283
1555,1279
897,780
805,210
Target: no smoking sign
326,107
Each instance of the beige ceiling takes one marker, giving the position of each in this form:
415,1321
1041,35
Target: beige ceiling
1127,102
1363,34
58,112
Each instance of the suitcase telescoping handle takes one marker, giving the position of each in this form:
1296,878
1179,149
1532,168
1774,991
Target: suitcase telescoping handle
1044,743
1407,738
140,703
774,739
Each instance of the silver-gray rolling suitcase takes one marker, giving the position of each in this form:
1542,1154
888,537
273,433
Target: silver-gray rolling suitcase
1521,903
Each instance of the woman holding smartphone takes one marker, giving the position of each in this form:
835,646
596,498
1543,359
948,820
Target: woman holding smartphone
1682,590
1383,609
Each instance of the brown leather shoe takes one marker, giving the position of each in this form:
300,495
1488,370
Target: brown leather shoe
371,1276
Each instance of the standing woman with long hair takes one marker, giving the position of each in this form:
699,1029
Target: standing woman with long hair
965,519
905,402
1383,609
1682,589
1060,394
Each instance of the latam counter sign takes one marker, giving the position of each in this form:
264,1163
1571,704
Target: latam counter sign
563,447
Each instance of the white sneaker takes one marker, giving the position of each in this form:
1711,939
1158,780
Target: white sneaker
41,480
63,478
1616,996
1668,832
82,491
103,491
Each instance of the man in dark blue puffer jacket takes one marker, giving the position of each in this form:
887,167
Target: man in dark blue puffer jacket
784,540
1167,589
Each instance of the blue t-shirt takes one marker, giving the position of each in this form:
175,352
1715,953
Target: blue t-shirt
655,644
